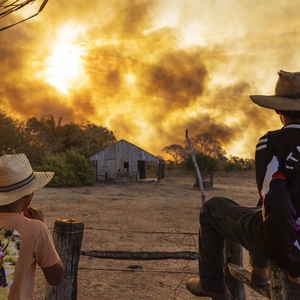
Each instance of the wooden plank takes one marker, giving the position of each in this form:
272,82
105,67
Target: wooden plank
129,255
243,275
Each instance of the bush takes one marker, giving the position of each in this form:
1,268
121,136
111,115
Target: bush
71,169
206,164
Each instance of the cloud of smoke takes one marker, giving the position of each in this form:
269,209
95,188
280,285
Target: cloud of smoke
152,69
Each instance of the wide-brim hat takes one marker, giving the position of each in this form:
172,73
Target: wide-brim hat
287,93
17,178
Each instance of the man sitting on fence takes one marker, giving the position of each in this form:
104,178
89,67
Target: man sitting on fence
269,231
24,238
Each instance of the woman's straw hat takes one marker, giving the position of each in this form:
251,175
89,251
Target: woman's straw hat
17,178
287,93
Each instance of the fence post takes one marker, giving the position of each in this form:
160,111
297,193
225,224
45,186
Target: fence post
67,237
234,254
280,287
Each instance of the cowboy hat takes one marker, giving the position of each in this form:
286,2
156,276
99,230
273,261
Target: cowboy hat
17,178
287,93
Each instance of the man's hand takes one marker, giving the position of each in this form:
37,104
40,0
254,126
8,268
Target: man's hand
294,279
32,213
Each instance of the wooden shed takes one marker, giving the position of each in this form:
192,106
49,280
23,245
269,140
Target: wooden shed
124,160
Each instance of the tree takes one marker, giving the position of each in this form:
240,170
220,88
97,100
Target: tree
204,143
10,133
47,135
51,146
72,136
40,137
96,138
8,7
176,151
44,132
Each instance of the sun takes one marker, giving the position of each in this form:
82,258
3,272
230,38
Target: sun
63,67
130,78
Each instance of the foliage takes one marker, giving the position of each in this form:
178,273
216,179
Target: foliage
239,164
206,144
95,138
37,137
40,137
210,156
49,145
71,169
206,164
10,134
176,151
50,136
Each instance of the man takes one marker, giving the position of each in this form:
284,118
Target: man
24,238
270,230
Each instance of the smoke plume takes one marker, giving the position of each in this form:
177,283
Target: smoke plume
148,70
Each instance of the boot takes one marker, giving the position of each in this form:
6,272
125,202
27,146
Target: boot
194,286
259,276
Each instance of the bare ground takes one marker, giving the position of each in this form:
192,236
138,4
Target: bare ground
148,216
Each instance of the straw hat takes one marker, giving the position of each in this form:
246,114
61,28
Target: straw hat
287,93
17,178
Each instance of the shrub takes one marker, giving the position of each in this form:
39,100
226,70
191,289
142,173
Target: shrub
206,164
71,169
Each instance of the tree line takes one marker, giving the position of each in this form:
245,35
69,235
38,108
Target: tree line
210,156
50,145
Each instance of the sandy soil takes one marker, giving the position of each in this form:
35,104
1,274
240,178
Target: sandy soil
148,216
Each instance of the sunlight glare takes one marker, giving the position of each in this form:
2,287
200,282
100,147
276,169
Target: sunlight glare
64,66
130,78
237,148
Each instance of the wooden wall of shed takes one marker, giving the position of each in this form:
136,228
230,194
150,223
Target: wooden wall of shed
110,161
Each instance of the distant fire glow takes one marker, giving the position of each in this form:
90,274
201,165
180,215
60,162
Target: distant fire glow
63,67
149,70
130,78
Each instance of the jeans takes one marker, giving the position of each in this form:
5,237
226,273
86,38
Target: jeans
220,219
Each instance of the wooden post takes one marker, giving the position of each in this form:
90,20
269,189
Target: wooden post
67,237
277,281
234,254
196,165
280,287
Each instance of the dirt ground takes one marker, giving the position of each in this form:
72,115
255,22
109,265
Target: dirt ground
148,216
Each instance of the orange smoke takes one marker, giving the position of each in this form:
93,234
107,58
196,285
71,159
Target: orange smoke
149,70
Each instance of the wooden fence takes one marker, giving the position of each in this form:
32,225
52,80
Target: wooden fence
68,234
67,237
279,288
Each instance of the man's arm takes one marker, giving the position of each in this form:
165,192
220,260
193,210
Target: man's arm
279,214
54,274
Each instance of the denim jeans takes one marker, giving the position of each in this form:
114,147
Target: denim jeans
220,219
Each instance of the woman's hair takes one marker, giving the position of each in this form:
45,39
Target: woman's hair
290,114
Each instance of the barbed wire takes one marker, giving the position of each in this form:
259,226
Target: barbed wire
9,6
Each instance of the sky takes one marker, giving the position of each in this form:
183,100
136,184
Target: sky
148,70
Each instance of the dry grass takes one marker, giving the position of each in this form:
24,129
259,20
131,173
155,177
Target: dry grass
147,216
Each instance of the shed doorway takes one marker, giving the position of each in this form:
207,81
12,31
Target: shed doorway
142,169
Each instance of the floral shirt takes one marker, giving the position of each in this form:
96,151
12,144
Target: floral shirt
23,244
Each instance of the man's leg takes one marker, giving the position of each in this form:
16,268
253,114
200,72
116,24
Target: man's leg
259,268
221,219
